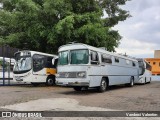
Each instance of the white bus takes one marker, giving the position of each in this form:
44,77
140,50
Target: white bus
81,65
34,67
145,75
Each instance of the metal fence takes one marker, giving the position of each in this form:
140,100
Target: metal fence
6,55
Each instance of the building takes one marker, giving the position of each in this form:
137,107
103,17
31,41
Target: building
157,54
155,63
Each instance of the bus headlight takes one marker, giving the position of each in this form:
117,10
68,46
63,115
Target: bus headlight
81,74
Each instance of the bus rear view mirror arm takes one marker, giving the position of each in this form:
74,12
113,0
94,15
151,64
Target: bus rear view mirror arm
53,60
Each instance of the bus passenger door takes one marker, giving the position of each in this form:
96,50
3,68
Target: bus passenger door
94,69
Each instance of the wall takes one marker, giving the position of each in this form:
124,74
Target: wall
155,63
157,54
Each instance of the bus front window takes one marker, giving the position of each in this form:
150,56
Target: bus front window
22,64
141,67
63,58
79,56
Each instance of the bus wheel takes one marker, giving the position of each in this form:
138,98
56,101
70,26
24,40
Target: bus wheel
103,86
131,84
144,82
50,81
78,88
35,84
150,80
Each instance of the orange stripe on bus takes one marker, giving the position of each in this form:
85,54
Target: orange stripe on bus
51,71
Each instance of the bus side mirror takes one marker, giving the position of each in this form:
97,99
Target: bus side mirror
53,60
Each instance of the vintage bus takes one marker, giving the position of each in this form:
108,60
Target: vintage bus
145,75
81,65
34,67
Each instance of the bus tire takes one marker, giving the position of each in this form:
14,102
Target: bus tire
50,80
77,88
35,84
131,84
150,80
103,86
144,81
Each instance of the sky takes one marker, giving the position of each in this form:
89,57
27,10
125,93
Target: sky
141,32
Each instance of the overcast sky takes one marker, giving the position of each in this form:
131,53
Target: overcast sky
141,32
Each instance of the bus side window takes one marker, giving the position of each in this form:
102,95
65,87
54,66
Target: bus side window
49,62
116,60
141,67
38,62
94,58
106,59
133,64
127,62
55,63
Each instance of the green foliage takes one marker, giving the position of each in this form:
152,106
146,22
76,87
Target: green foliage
44,25
114,12
1,64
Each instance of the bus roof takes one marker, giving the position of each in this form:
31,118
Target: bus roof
142,59
36,52
74,46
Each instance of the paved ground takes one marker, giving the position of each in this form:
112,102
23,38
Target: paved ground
140,97
42,98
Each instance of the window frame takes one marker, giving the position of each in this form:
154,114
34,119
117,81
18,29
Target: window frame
44,64
127,62
108,56
133,64
68,56
116,60
77,50
94,62
49,62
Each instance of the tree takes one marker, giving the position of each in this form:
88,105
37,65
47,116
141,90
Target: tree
5,65
114,12
44,25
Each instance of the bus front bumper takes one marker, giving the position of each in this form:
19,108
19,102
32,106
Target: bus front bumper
140,81
70,82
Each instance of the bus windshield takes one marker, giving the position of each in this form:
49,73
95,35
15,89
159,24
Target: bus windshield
75,57
141,67
63,58
141,64
22,64
79,56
